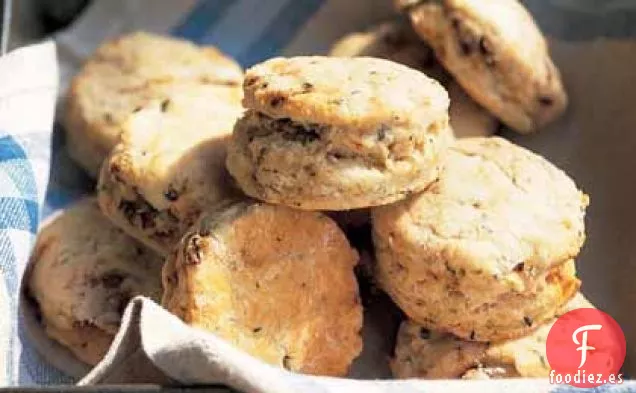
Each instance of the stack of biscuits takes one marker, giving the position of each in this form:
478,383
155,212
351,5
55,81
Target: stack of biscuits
228,197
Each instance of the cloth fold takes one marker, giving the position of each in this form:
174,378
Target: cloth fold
154,346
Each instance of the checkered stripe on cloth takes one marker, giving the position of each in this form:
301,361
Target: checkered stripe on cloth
28,85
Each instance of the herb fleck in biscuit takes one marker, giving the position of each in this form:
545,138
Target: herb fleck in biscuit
276,282
124,74
84,271
324,133
485,252
168,166
496,52
421,353
396,41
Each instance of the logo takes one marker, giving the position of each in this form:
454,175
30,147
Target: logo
586,348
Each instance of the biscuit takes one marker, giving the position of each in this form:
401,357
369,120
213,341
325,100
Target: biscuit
467,118
498,55
168,166
396,41
325,133
276,282
485,252
96,268
421,353
126,72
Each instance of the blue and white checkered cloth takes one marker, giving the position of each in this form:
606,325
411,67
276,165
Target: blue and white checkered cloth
36,176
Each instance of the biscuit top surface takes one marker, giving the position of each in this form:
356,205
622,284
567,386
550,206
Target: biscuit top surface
277,282
506,24
161,59
85,269
175,141
346,92
125,73
496,207
181,120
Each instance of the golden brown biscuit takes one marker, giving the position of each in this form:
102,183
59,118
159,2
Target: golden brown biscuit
168,166
420,353
124,74
396,41
96,268
276,282
498,55
325,133
482,252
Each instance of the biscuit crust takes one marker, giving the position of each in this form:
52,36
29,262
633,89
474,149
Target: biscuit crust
498,55
482,252
421,353
327,133
96,268
276,282
169,165
396,41
127,72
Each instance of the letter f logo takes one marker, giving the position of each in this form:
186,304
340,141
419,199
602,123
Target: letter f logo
583,344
